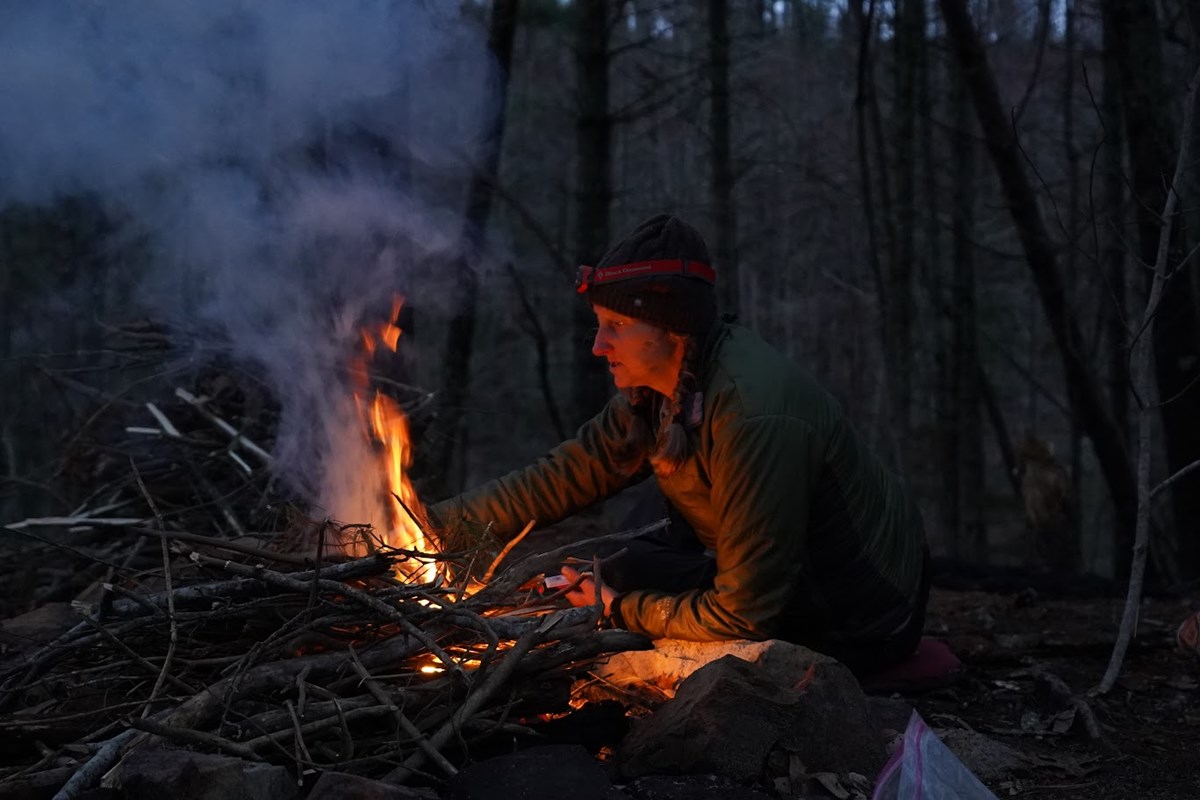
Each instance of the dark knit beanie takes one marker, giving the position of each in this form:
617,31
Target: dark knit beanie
684,301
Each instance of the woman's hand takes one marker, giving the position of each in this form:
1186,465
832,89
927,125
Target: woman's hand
585,593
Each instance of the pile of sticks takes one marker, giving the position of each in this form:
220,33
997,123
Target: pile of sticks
322,666
152,438
184,619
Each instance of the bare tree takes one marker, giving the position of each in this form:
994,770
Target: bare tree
593,186
461,335
1143,360
721,180
892,279
965,466
1133,32
1040,253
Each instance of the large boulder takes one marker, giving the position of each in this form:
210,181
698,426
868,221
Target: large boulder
655,675
728,717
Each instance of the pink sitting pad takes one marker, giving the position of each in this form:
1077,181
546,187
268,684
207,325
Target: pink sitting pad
931,666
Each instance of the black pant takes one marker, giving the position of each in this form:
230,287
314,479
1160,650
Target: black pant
670,559
673,560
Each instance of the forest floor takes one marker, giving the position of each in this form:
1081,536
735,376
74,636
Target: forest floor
1150,721
1019,739
1035,745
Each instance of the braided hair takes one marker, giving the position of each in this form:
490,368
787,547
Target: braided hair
685,306
658,433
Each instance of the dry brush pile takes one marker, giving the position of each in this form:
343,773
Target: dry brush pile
194,608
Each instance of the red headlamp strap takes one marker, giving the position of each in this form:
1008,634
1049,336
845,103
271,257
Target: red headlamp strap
594,276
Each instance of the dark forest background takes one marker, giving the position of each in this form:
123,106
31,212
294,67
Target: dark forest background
950,212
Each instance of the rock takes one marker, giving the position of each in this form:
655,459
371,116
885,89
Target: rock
538,773
729,716
183,775
343,786
657,673
692,787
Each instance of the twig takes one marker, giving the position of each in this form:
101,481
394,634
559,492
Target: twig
1059,689
405,723
174,626
474,701
1177,476
212,595
165,424
191,736
238,439
309,728
374,603
487,576
226,544
91,772
194,712
73,522
138,659
302,753
598,590
534,564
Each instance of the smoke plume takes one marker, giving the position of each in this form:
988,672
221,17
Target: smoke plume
288,163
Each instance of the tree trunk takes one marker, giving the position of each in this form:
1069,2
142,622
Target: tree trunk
721,184
461,334
1075,530
1150,137
1082,384
909,51
10,401
968,454
1110,248
593,190
881,226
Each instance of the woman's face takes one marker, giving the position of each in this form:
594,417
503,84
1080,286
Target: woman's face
638,353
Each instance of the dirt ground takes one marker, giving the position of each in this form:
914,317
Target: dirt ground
1150,722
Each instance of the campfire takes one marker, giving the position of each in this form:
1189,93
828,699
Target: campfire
386,425
386,650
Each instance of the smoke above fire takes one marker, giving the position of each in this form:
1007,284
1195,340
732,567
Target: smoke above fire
287,165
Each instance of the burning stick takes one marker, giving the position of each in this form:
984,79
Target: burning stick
375,604
405,723
473,702
487,575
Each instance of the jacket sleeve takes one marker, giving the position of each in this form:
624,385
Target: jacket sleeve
572,476
763,471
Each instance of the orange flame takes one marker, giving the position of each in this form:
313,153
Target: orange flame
387,426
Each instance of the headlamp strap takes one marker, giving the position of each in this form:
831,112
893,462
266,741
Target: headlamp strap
594,276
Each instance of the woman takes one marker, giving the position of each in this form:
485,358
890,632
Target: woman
784,524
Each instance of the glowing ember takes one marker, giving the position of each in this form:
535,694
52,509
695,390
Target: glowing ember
388,428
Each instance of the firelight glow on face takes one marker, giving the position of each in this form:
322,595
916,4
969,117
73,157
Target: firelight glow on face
638,353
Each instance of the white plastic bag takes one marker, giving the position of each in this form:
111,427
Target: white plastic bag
923,768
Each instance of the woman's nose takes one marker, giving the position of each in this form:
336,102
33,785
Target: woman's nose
601,344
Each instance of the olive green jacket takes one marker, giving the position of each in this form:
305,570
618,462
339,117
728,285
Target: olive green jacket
814,539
